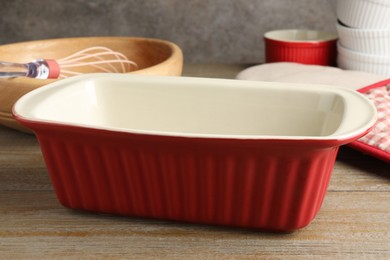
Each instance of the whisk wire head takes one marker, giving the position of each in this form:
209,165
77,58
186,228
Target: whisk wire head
101,58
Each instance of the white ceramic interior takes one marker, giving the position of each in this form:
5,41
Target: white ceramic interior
300,36
200,107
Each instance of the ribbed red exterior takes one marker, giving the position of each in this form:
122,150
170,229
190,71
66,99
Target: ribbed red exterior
264,184
321,53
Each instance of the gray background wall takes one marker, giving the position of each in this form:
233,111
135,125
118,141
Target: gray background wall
208,31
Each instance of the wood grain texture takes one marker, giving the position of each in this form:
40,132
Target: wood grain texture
353,223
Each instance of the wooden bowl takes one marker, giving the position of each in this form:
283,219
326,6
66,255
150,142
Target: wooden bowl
153,57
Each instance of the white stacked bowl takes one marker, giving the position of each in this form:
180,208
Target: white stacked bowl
360,61
372,41
364,13
364,35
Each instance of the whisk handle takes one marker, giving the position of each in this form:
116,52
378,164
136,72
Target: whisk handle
54,69
38,69
42,69
12,69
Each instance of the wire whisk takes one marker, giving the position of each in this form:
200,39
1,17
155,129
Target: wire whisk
101,59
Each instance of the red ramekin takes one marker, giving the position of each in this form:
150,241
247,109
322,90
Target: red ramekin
301,46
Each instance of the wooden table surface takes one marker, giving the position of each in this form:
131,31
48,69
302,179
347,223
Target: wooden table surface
354,221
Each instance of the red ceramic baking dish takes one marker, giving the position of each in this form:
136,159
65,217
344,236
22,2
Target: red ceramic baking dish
214,151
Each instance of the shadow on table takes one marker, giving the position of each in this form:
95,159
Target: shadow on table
364,162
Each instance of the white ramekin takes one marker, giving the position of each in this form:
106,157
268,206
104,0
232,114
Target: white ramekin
369,41
364,13
352,60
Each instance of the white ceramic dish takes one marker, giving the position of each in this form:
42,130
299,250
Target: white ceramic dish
352,60
364,13
368,41
309,74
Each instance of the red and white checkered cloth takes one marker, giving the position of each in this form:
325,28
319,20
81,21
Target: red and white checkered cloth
377,141
379,136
